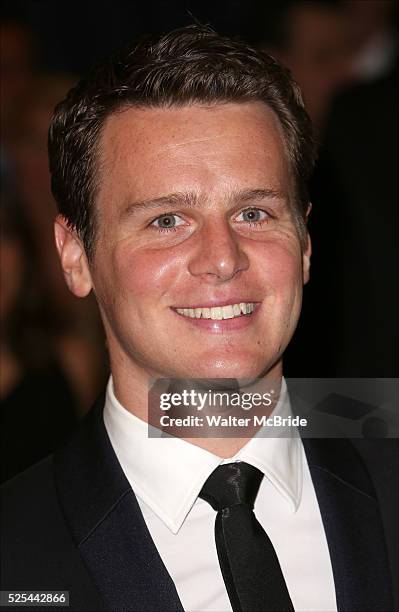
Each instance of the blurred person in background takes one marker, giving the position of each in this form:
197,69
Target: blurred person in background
18,62
51,345
344,56
80,346
18,65
355,195
37,404
373,36
311,39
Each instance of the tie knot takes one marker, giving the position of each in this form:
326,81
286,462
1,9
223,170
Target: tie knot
232,484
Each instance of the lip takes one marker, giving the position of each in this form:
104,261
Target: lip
224,325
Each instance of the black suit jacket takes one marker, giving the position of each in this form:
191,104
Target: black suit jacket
72,522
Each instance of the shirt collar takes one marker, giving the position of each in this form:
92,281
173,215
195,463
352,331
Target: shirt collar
168,473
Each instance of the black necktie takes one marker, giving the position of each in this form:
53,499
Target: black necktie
249,564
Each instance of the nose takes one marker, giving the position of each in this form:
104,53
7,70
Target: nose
218,255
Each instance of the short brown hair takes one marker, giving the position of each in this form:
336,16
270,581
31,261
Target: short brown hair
189,65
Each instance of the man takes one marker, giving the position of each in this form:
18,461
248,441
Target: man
180,170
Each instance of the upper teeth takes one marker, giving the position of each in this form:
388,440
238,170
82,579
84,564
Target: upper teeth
218,312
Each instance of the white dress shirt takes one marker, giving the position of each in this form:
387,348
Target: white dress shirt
167,474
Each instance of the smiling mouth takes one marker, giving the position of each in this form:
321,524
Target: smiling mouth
218,313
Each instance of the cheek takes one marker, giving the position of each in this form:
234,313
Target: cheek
279,265
148,274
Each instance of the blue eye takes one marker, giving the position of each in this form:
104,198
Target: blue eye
252,215
167,221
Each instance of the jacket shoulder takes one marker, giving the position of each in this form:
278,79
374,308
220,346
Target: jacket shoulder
37,550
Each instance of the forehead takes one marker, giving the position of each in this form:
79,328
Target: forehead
154,149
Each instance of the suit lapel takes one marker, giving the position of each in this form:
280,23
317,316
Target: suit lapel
107,524
353,525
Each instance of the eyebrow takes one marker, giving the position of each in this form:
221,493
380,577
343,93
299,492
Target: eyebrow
173,199
191,200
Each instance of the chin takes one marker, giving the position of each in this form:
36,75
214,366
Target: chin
249,367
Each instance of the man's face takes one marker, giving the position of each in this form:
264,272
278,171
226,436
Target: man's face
194,215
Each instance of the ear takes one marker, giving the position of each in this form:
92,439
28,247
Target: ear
73,258
306,255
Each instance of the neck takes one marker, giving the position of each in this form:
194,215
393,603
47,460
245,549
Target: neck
132,392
